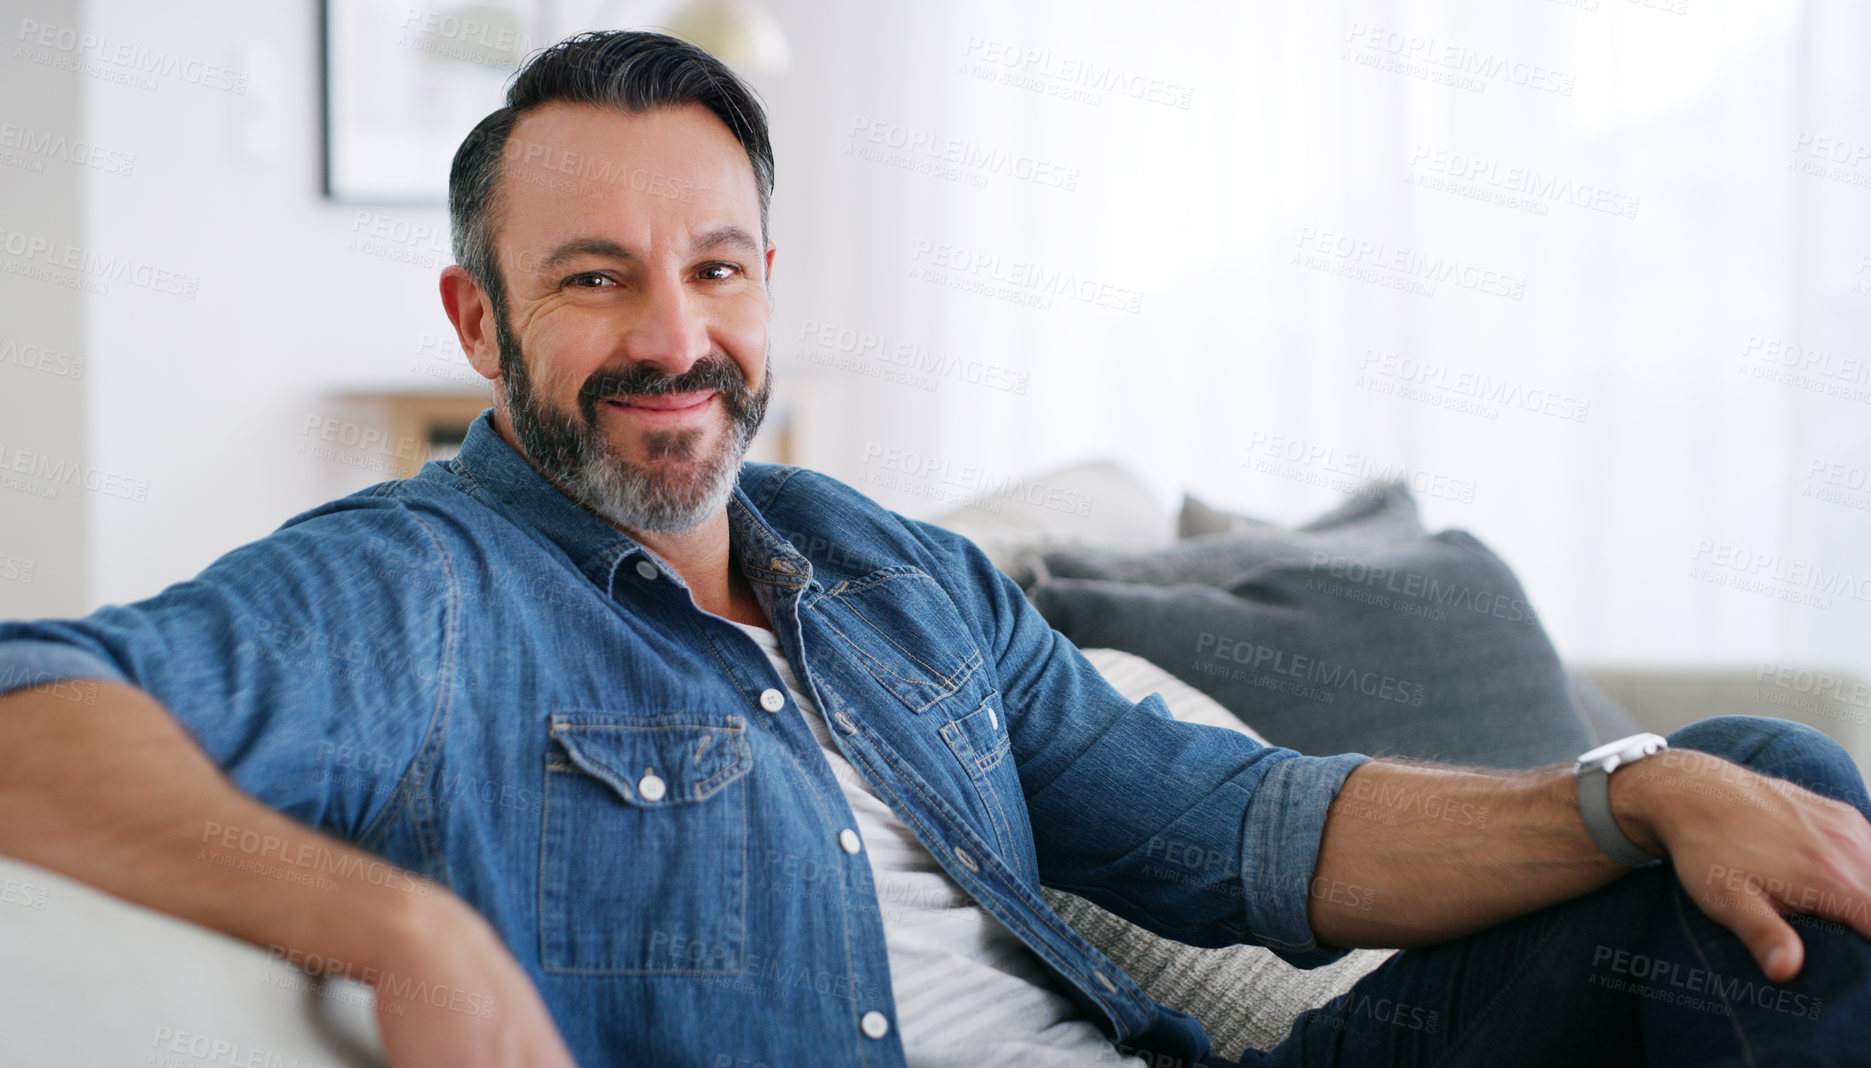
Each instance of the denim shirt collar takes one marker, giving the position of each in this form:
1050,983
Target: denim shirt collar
593,544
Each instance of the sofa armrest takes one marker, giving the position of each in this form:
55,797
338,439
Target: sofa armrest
1834,702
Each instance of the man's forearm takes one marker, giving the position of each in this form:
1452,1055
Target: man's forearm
1413,856
98,782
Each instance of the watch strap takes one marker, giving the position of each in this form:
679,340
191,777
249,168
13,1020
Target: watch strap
1595,806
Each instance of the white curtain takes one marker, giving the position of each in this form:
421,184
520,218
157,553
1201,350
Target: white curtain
1595,276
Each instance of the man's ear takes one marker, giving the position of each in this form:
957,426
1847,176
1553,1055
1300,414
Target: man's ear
473,316
771,249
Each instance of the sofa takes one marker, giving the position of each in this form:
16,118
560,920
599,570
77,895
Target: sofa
100,982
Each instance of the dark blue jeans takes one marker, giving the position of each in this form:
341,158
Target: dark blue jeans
1632,973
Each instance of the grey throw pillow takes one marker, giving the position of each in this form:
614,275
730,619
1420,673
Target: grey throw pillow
1383,516
1362,633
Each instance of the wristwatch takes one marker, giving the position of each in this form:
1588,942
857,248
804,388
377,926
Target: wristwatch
1593,770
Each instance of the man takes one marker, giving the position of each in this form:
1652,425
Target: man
568,729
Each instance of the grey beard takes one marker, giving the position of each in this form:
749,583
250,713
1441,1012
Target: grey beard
569,448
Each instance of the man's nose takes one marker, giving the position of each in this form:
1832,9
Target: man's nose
670,331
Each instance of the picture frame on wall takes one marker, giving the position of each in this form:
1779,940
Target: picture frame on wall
404,80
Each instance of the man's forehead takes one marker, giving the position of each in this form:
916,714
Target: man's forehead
569,167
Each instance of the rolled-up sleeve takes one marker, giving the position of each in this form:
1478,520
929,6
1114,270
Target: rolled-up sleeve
1284,824
1198,833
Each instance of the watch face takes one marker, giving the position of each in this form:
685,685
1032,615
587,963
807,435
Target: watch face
1625,749
1596,755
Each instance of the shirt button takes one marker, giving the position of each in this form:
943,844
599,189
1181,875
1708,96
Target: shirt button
646,569
1105,981
772,700
849,841
652,788
874,1025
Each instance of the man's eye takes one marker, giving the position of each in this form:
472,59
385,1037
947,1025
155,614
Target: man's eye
719,272
588,280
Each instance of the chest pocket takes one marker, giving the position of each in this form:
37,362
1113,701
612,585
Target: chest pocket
910,640
906,634
643,851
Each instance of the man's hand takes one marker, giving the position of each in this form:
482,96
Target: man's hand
1748,847
449,995
1429,854
112,792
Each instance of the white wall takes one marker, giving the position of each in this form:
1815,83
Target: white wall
1199,210
209,397
44,515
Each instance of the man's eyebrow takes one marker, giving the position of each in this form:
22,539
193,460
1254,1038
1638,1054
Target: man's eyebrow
725,237
729,236
583,246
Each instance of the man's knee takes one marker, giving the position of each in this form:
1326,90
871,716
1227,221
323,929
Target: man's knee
1779,748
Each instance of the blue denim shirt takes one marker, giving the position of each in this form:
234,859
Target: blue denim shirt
476,678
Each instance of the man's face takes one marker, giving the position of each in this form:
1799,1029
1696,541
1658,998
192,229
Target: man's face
633,341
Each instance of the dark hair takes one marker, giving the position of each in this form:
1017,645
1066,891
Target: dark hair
630,70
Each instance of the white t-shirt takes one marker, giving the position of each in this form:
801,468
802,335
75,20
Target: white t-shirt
968,993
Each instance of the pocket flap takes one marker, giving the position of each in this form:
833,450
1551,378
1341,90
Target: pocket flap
666,760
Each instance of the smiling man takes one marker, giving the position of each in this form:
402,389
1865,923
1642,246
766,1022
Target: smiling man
566,749
625,328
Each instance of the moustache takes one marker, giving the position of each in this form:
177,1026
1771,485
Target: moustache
643,380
